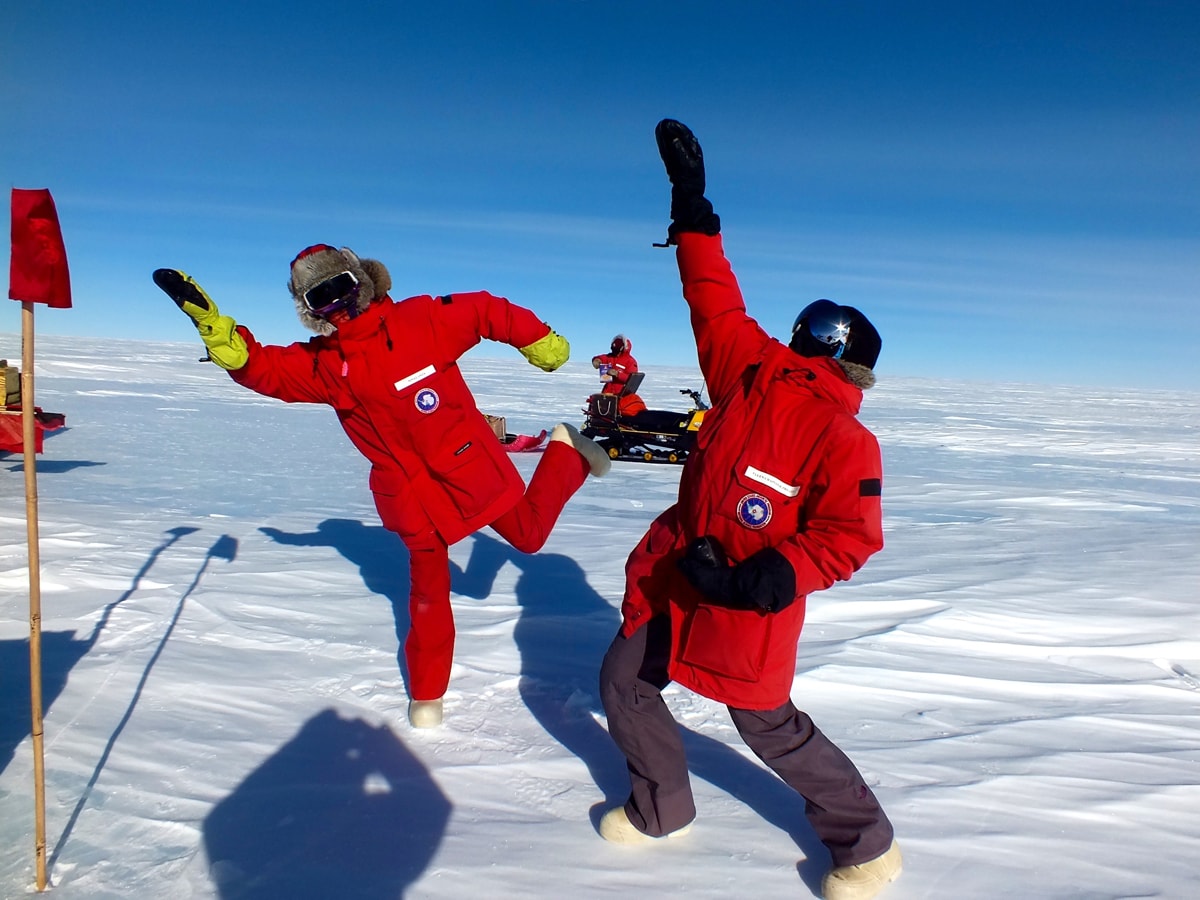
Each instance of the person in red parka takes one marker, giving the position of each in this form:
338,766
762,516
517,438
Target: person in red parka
616,367
779,498
390,371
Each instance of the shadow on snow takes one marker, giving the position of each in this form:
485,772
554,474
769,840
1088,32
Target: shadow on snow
61,650
562,635
563,632
224,548
342,809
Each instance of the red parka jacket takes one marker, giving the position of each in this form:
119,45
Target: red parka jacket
781,461
391,374
621,366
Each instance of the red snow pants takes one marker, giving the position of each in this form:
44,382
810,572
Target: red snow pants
429,647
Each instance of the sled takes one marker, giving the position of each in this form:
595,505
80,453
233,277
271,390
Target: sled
523,443
12,429
514,443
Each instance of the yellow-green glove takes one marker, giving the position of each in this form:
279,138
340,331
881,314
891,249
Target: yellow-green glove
549,352
225,346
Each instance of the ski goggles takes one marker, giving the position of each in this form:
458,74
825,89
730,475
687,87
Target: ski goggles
826,323
336,292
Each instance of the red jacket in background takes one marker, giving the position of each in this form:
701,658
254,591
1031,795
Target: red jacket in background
620,367
616,369
391,374
781,461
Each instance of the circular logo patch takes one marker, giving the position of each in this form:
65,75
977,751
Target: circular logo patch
427,400
754,511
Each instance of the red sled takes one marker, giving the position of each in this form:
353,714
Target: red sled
12,431
523,443
514,443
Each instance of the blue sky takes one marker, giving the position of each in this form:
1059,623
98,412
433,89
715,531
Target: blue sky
1011,191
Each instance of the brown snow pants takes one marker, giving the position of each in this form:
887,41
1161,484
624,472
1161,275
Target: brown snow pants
838,804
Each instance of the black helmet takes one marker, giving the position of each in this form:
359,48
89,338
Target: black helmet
824,328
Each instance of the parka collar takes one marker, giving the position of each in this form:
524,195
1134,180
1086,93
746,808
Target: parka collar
365,324
822,377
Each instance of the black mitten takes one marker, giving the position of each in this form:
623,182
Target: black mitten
764,581
705,567
684,160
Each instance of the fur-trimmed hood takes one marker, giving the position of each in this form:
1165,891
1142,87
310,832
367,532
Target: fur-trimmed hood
314,264
860,376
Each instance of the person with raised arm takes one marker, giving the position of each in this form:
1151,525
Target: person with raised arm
779,498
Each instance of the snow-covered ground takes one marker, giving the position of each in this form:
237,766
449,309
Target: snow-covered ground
1017,673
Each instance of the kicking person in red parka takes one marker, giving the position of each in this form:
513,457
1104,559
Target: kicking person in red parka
390,371
779,498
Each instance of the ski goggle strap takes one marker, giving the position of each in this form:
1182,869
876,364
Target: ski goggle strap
334,293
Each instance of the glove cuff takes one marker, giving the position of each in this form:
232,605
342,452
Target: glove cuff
547,353
691,213
226,346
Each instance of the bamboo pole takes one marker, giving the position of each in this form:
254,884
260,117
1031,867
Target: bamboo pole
35,592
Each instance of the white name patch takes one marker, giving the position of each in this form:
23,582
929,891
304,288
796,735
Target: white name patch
788,490
414,378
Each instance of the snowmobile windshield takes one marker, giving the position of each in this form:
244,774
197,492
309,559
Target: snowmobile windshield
337,292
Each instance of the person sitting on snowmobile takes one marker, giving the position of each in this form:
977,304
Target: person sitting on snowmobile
390,371
616,367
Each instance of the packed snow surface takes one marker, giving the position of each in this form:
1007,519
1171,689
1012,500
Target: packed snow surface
1017,673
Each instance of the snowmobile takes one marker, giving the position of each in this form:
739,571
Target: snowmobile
648,436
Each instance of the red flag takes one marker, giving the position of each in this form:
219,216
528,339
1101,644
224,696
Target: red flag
38,270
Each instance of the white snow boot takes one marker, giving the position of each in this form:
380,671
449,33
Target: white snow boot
865,880
425,713
616,828
597,458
